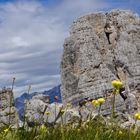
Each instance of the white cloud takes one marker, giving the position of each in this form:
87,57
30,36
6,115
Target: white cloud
31,40
18,41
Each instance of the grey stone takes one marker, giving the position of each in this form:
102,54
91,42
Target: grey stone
102,47
53,110
35,109
42,97
69,116
6,95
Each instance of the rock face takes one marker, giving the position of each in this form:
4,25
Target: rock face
102,47
5,95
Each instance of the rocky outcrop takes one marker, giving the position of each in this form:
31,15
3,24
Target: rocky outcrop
102,47
36,108
5,109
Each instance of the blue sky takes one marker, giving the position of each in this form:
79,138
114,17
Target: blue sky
32,34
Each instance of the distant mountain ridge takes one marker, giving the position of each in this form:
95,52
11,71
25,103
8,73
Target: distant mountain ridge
19,101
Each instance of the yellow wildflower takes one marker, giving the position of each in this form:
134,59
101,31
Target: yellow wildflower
116,84
137,116
6,130
132,131
120,133
47,113
101,100
43,127
62,111
68,104
95,103
78,130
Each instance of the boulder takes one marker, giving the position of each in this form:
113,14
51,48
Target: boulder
35,109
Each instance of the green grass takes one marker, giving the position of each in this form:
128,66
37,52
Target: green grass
90,130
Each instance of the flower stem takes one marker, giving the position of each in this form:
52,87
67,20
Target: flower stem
10,100
25,106
99,109
113,105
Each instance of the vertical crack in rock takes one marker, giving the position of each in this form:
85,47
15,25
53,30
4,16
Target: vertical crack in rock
108,32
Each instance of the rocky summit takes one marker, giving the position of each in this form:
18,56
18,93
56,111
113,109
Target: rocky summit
103,47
